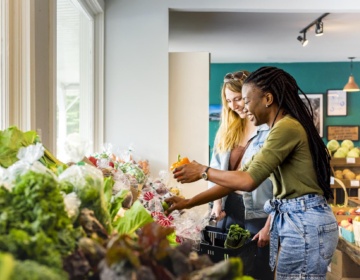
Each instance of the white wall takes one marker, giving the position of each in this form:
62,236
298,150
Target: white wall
136,78
136,65
189,112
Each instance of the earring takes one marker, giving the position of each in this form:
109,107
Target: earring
266,105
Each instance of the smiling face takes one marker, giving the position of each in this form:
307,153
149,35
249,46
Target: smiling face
235,102
255,104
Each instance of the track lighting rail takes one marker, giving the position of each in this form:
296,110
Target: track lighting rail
313,23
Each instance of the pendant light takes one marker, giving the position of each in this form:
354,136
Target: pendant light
351,85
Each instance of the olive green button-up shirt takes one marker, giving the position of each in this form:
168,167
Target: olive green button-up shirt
286,157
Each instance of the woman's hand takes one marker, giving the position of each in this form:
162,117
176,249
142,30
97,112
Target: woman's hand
263,236
176,203
216,209
189,172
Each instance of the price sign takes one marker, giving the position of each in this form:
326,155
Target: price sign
340,132
355,183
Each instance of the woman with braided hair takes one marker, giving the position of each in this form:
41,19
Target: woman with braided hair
303,230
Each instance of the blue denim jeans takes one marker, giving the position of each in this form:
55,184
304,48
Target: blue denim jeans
307,232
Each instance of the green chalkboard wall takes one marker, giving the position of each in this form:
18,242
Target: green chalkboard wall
312,78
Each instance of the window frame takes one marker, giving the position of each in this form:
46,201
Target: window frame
4,96
17,77
17,31
94,10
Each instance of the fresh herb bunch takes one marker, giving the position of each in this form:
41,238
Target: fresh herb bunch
133,170
236,237
89,187
33,221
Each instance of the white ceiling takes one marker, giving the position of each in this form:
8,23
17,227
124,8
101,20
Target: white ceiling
264,37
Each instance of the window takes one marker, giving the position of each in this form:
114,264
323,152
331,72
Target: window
79,98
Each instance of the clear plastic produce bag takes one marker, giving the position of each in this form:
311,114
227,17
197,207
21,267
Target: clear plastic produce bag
28,161
4,178
75,147
88,183
190,224
72,204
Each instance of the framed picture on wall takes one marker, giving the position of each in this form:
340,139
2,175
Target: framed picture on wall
336,103
214,112
316,102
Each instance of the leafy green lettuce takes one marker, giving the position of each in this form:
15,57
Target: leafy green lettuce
108,186
11,140
33,221
31,270
135,217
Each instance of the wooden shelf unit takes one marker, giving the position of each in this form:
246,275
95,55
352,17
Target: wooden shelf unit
345,162
340,164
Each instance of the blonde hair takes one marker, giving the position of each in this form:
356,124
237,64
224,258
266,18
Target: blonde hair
232,127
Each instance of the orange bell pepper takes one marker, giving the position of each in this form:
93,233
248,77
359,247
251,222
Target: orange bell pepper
180,161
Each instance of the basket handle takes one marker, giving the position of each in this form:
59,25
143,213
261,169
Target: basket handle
346,197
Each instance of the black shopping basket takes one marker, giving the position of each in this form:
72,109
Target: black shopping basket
212,244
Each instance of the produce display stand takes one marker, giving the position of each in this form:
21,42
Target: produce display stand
339,184
101,218
350,249
345,207
350,163
354,201
345,163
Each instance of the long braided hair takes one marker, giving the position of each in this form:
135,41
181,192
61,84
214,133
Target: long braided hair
286,93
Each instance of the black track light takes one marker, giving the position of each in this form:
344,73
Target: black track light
303,40
319,29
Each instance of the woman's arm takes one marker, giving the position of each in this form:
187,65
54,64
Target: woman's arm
234,180
214,193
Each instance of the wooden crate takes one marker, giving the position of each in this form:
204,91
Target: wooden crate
350,186
345,162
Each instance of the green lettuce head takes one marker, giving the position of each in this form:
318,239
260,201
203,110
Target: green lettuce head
339,154
344,150
333,145
353,153
348,144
